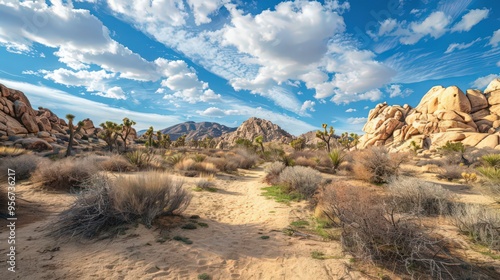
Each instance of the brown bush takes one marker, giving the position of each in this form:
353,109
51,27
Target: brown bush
23,165
189,164
377,165
116,163
303,180
450,172
479,223
307,162
106,203
242,158
273,171
66,173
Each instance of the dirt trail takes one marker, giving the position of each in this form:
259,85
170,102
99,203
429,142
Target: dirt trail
230,247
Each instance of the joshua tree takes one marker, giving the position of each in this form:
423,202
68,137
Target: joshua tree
127,129
149,135
326,136
349,141
181,141
72,131
110,132
165,141
260,140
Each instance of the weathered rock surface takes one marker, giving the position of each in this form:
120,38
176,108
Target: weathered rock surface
443,114
254,127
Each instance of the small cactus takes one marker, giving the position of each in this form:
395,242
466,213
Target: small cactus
469,177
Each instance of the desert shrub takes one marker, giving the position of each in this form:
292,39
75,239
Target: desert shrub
273,171
307,162
370,232
419,197
452,147
479,223
491,160
205,184
185,164
23,165
66,173
189,164
337,156
12,151
221,164
140,158
450,172
117,163
490,173
174,159
287,160
199,157
243,158
106,203
303,180
377,165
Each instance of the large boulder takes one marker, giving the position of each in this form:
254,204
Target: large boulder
492,86
452,98
477,100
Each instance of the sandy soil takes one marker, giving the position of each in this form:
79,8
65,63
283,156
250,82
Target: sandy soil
230,247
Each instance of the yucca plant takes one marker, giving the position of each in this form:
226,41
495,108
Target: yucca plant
337,156
140,158
491,173
491,160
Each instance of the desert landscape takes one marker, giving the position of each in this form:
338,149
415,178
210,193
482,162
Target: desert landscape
415,197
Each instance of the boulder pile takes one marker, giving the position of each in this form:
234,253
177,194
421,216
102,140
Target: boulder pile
443,114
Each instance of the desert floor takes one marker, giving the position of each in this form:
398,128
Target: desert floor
230,247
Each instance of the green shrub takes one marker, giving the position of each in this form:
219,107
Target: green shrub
337,157
491,160
451,147
490,173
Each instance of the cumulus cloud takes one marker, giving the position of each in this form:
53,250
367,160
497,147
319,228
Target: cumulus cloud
114,93
350,110
482,82
397,91
91,80
203,8
470,19
216,112
343,98
308,105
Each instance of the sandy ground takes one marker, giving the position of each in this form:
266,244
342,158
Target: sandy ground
230,247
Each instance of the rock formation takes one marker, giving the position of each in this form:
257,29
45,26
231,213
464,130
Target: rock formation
443,114
198,131
254,127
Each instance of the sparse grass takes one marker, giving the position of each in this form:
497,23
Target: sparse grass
303,180
205,185
479,223
66,173
105,203
299,224
189,226
204,276
185,240
23,165
278,193
418,197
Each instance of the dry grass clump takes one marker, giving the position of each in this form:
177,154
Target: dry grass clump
205,184
66,173
23,165
418,197
273,171
377,165
307,162
106,203
116,163
189,164
174,159
479,223
12,151
142,159
370,232
450,172
303,180
242,158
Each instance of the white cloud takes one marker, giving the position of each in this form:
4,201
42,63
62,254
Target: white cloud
470,19
482,82
350,110
216,112
434,25
387,26
366,107
164,12
203,8
114,93
460,46
372,95
495,39
396,91
357,120
308,105
92,80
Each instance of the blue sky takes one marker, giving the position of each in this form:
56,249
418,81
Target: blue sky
298,64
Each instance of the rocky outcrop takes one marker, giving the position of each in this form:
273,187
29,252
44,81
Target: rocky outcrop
254,127
198,131
443,114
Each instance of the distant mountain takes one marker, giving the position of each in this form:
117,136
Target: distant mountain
197,130
254,127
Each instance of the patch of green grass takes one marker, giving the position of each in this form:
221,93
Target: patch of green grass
322,228
279,194
299,224
183,239
194,217
205,225
208,189
203,276
318,255
486,251
189,226
264,237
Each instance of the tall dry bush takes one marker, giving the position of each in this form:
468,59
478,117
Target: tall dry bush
116,163
105,203
479,223
273,171
66,173
303,180
377,165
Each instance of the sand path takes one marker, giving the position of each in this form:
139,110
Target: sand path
230,247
